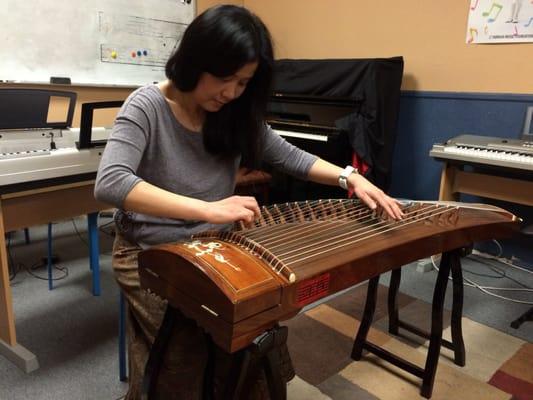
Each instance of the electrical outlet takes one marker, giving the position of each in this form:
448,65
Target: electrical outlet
424,265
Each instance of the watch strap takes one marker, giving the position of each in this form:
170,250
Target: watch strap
343,177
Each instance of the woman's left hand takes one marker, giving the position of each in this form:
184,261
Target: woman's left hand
373,196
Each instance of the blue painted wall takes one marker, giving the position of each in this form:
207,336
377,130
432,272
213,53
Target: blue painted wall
430,117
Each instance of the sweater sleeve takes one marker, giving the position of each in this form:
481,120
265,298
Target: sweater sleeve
286,157
124,150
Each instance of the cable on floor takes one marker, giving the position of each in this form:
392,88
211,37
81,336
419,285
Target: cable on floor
13,268
63,270
488,289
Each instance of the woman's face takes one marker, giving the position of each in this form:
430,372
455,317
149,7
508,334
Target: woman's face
213,92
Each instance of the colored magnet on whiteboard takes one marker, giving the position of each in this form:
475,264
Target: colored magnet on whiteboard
145,53
139,53
113,54
133,54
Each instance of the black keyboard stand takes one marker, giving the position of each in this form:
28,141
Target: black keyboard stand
263,353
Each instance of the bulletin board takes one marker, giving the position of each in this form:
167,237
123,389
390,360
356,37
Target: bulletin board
99,42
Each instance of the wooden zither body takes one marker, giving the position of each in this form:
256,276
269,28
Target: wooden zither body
238,284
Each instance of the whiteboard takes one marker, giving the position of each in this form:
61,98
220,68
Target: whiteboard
99,42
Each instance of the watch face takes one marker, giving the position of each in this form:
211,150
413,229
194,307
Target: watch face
343,182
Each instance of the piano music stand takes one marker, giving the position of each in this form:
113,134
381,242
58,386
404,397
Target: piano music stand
28,108
86,122
260,353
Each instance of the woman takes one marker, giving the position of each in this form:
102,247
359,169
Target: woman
170,165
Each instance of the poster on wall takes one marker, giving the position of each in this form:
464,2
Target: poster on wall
500,21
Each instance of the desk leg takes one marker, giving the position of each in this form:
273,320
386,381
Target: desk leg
447,181
49,266
94,251
9,347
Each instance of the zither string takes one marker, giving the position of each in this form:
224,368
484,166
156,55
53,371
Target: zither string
295,212
351,240
293,233
325,227
273,232
376,226
381,227
288,233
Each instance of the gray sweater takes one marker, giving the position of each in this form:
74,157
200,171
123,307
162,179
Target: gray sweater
149,144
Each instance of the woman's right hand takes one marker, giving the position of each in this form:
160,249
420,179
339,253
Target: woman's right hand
232,209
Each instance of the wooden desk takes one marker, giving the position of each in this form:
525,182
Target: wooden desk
35,207
454,181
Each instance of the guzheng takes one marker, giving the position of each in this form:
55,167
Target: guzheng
238,284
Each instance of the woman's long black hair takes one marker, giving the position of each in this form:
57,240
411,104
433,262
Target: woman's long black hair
221,41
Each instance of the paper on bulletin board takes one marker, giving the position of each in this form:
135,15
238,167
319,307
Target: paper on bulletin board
500,21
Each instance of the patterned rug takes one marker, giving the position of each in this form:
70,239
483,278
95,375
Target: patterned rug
498,366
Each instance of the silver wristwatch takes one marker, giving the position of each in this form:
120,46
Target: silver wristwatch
343,177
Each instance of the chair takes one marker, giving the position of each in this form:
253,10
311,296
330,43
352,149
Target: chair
528,315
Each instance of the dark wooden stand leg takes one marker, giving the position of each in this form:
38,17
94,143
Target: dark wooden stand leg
276,384
435,339
457,343
157,353
239,371
527,316
457,311
262,352
450,262
366,321
209,373
395,278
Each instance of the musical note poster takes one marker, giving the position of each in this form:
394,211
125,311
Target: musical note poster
500,21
